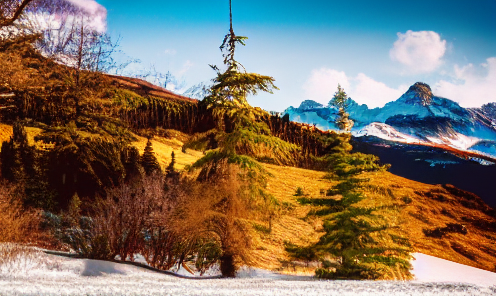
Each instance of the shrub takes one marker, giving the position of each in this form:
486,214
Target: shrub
462,250
17,224
407,200
126,212
218,210
299,192
439,232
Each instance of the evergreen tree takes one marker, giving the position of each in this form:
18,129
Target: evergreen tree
132,164
171,172
240,130
23,165
357,237
241,135
340,100
149,161
360,239
231,87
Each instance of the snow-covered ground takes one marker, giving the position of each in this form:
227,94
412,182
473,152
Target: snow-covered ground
42,274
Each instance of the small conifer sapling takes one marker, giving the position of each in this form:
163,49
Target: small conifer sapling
149,161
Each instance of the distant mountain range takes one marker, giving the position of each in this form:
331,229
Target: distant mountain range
417,117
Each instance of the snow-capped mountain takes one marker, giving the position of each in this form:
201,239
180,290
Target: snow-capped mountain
198,91
417,116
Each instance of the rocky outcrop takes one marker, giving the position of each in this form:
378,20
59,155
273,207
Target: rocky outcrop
419,94
309,105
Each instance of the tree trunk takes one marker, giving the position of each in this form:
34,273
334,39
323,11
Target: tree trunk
227,266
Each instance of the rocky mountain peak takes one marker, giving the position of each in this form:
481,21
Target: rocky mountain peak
419,93
489,110
309,105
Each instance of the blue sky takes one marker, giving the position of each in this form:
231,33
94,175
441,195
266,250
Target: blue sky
375,49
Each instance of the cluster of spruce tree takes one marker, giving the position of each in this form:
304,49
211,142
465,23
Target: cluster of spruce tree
87,166
25,166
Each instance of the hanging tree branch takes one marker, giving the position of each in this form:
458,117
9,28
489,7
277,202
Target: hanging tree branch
233,85
17,13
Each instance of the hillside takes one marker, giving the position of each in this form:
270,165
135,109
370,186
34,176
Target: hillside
430,207
423,207
90,135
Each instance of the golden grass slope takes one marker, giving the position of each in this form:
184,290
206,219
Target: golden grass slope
162,147
421,206
426,210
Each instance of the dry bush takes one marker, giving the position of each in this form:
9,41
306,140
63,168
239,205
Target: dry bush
173,221
163,246
128,214
219,209
18,258
13,74
17,225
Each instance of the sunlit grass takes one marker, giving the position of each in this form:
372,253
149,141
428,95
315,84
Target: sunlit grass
414,210
163,148
6,132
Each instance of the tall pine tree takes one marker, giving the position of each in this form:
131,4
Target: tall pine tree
359,239
242,137
340,100
232,86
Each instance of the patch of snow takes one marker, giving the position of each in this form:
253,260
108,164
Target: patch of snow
65,276
251,273
460,141
435,140
386,132
99,268
432,269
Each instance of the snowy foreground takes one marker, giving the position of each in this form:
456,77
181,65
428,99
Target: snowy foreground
41,274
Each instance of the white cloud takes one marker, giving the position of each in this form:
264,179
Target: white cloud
477,85
170,52
95,13
323,83
185,68
419,52
374,93
89,6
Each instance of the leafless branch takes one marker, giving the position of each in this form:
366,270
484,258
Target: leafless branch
17,13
